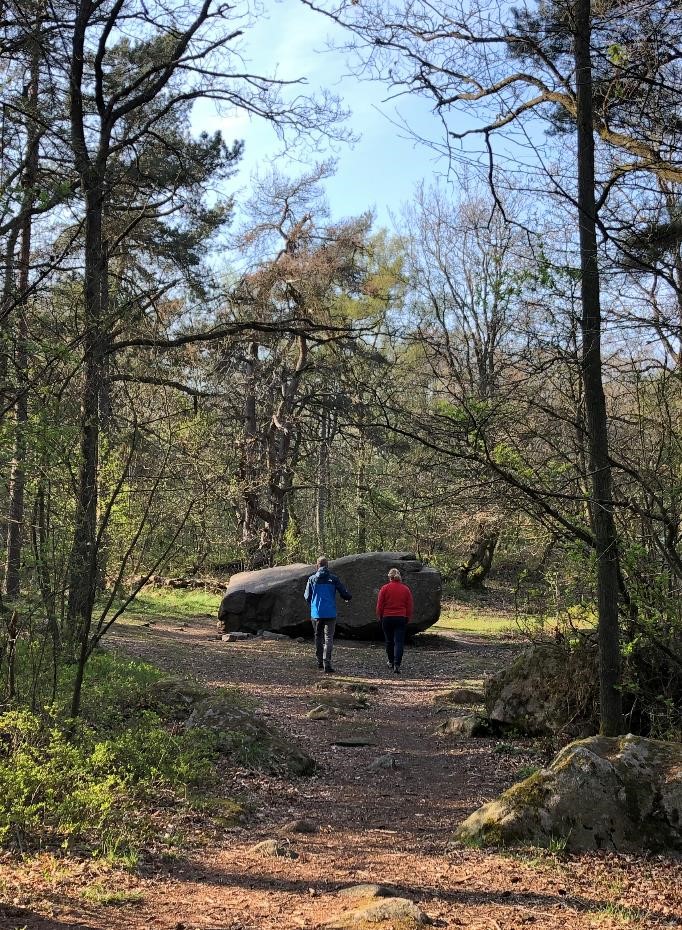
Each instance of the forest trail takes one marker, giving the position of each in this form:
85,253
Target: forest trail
391,825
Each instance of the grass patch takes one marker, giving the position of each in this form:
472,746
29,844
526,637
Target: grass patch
171,604
484,623
106,897
473,620
620,913
525,771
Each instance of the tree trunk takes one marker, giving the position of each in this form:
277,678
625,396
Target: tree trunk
361,504
250,464
476,569
83,559
595,402
322,501
17,481
40,549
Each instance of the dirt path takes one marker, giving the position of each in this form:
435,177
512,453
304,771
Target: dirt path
391,826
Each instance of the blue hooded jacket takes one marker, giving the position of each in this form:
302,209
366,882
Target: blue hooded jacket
320,593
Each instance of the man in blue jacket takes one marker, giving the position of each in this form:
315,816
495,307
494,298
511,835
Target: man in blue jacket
320,593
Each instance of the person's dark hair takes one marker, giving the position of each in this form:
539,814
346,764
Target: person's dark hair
322,561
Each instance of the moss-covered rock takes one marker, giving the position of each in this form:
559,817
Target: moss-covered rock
621,793
548,688
468,726
239,731
459,696
274,847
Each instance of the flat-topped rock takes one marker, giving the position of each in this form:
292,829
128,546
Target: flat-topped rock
272,598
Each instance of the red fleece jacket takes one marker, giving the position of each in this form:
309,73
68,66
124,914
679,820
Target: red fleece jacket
395,600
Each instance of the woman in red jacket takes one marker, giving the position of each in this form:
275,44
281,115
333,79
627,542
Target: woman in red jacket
394,610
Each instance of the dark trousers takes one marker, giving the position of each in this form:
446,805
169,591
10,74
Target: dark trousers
324,639
394,634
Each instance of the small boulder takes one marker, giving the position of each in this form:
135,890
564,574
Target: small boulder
323,712
235,637
382,911
342,700
273,847
366,892
382,763
240,733
301,825
466,727
614,793
459,696
355,687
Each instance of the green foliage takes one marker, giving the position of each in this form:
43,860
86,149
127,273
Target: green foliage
484,623
557,845
91,781
525,771
173,604
99,895
59,786
509,749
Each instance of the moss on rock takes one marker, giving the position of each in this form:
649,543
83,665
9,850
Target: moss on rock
548,688
621,793
239,732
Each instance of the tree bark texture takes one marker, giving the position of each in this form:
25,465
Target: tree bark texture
83,561
17,481
606,541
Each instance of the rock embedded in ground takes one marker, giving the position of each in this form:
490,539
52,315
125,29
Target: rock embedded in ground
238,731
548,688
354,741
323,712
272,599
367,891
466,727
235,637
620,794
355,687
274,847
400,912
459,696
342,699
383,762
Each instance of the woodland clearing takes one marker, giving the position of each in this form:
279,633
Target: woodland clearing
387,823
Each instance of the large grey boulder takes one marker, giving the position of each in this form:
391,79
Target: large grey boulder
548,688
614,793
272,598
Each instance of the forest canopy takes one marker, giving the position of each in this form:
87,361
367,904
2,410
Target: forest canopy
194,383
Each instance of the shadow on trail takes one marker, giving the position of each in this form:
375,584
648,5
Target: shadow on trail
512,900
13,918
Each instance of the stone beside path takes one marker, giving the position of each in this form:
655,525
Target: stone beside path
380,814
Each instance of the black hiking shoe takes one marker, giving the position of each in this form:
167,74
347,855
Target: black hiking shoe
320,666
329,670
390,665
396,669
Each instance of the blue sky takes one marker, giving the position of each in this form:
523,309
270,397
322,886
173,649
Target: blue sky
382,168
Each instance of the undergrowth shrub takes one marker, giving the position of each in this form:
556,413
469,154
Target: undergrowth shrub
94,781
